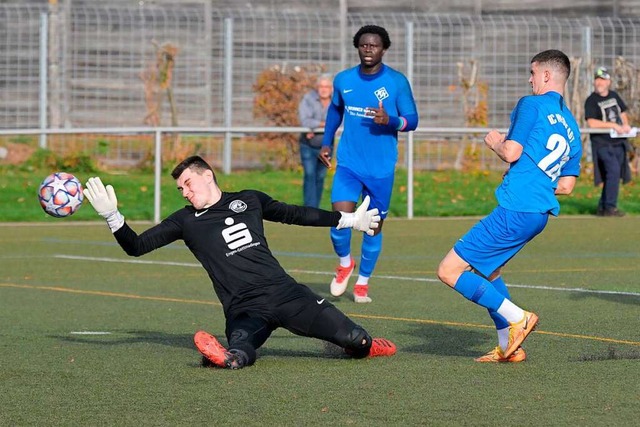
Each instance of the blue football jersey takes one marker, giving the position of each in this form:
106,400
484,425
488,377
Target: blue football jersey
368,149
552,148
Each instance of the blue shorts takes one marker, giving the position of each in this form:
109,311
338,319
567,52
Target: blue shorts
348,187
495,239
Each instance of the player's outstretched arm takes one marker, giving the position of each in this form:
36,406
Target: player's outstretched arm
362,219
104,201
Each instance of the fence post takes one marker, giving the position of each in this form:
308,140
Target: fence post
44,24
343,11
53,46
228,93
409,50
587,36
208,28
158,176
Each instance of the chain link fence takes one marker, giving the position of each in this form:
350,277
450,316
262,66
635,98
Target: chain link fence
91,65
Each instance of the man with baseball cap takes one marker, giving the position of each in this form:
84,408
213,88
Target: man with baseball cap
605,109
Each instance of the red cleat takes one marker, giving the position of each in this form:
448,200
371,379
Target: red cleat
381,347
341,280
210,348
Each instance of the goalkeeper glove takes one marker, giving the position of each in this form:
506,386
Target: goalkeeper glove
104,201
362,219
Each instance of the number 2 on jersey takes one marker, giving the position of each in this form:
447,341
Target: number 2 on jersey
552,163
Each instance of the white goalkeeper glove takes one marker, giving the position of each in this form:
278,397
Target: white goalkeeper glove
104,201
362,219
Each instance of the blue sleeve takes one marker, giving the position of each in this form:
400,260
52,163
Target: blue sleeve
572,167
332,123
522,122
407,119
404,123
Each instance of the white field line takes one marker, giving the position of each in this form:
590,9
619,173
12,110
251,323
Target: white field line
324,273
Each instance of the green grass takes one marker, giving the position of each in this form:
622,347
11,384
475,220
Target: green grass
436,194
62,276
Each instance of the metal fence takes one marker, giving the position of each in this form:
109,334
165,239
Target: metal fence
81,66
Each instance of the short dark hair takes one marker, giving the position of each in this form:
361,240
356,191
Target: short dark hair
556,59
373,29
196,164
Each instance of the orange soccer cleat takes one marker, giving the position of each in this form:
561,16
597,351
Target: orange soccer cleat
519,331
496,356
215,352
382,347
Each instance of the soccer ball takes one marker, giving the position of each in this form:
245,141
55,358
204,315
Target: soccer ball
60,194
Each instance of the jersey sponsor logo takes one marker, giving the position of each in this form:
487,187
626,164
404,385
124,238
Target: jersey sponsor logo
381,94
347,90
197,214
236,235
384,212
320,301
238,206
359,111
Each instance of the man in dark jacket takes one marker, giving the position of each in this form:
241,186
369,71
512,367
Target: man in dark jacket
605,109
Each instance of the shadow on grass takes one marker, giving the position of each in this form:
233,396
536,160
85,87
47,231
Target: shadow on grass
438,340
130,337
442,340
612,353
317,348
619,299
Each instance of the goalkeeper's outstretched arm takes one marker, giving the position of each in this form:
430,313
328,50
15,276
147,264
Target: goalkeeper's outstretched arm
104,201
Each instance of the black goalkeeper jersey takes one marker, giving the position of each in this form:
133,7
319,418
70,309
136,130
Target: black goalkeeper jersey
228,240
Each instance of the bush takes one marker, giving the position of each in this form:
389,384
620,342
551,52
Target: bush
44,159
278,93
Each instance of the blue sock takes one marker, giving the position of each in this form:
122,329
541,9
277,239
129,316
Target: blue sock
341,240
501,287
479,290
371,248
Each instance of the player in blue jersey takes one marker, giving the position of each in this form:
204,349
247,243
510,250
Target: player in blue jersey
543,150
375,101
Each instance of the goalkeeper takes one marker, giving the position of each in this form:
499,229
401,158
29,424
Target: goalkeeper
225,232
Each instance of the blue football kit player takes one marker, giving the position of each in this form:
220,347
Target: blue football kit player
375,101
543,149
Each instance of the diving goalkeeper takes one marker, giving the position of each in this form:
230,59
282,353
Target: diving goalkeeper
225,232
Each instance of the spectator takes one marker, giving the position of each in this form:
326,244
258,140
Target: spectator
605,109
312,111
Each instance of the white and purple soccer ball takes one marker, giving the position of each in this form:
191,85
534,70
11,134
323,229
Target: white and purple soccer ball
60,194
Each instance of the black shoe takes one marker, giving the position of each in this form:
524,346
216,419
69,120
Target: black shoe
600,211
613,212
